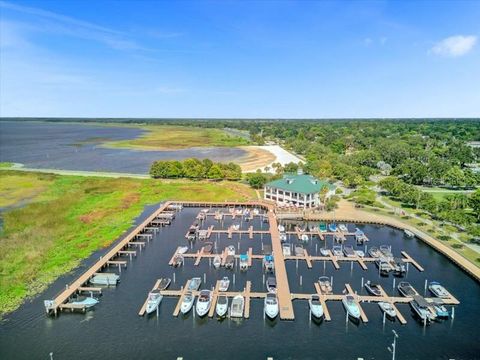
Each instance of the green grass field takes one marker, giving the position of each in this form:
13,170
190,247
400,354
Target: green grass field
64,219
164,137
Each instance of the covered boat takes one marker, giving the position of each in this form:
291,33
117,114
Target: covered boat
236,309
195,283
351,306
164,283
422,309
406,289
438,290
373,289
271,305
386,251
154,300
105,279
316,308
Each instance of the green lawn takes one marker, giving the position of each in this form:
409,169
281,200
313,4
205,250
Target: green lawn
164,137
67,218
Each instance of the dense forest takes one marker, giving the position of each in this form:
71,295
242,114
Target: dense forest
195,169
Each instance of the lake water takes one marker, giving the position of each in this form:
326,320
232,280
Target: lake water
114,329
76,146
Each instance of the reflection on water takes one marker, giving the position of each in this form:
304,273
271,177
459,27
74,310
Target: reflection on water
114,329
76,147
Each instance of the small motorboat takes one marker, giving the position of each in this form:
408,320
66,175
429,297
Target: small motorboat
283,237
324,252
222,305
154,300
339,237
359,236
204,302
235,227
87,302
271,305
187,302
281,228
325,284
351,306
271,284
230,250
299,251
236,309
386,251
348,251
374,252
440,309
438,290
304,237
207,248
322,227
217,261
373,289
256,211
384,266
399,268
409,233
343,228
182,249
405,289
360,253
229,262
194,284
337,251
316,308
268,263
105,279
177,260
202,235
244,262
164,283
192,233
332,227
287,251
224,284
388,309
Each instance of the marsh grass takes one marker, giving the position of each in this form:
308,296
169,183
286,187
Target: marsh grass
71,217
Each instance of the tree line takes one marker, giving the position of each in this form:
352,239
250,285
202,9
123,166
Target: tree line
195,169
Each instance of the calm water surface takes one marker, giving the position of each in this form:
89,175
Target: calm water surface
114,329
75,146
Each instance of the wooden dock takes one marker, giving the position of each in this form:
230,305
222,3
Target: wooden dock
144,306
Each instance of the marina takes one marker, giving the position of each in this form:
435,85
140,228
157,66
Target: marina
247,289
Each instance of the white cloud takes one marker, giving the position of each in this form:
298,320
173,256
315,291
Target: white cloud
454,46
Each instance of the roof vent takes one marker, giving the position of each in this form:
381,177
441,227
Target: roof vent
299,171
289,181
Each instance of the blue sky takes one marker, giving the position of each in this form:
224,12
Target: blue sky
299,59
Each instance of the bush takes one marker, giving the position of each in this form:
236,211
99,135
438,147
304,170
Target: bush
195,169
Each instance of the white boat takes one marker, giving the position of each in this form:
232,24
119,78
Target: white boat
256,211
387,308
177,260
230,250
87,302
409,233
283,237
236,309
281,228
325,284
154,300
351,306
287,251
316,308
187,302
164,283
337,251
217,261
324,252
222,305
343,227
235,227
194,284
422,309
224,284
182,249
204,302
271,284
299,251
268,263
304,237
360,253
271,305
105,279
438,290
229,262
386,251
244,262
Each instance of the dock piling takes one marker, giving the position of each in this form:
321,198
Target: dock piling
425,288
393,287
362,282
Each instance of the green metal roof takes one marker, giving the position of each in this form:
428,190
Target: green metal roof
300,183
